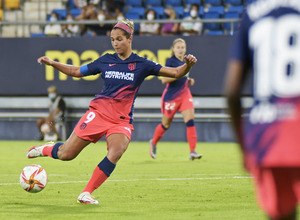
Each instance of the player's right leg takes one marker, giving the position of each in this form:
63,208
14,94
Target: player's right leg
63,151
158,134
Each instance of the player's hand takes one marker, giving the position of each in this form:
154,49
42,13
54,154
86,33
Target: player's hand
45,60
190,60
191,81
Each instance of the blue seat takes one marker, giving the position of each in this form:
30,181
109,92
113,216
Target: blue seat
236,8
134,3
219,9
71,4
37,35
137,10
211,26
191,2
179,11
75,12
62,13
173,2
213,2
134,16
150,3
233,2
227,25
219,32
160,12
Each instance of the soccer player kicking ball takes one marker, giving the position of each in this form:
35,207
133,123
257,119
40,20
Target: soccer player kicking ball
268,43
110,112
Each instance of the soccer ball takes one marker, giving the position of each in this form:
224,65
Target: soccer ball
33,178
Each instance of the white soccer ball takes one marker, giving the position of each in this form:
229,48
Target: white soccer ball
33,178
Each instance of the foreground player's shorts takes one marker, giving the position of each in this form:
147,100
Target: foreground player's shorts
278,190
92,126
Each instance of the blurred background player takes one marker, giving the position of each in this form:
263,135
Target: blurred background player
177,97
110,112
268,44
57,109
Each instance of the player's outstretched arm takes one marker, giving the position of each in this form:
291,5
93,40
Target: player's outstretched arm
67,69
180,71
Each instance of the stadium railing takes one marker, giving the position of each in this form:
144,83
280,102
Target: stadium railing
29,24
146,109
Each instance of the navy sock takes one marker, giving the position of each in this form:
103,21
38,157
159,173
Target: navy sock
55,149
106,166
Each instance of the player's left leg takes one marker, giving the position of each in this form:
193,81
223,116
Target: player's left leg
117,145
191,133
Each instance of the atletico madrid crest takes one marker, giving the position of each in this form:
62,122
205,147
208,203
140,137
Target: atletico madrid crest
131,66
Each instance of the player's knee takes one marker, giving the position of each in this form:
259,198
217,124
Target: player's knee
115,154
166,126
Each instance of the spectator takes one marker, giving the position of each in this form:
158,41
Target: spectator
53,29
150,28
56,113
88,12
192,28
170,28
70,30
101,29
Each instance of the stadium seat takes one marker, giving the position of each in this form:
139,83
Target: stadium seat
160,11
191,2
134,16
62,13
134,3
233,2
151,3
137,10
232,15
236,8
219,9
37,35
75,12
211,26
70,4
214,32
12,4
173,2
213,2
179,11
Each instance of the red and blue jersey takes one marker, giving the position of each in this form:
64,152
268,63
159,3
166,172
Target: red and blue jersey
122,80
178,87
268,43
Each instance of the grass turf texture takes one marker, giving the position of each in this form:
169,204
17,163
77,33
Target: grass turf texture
170,187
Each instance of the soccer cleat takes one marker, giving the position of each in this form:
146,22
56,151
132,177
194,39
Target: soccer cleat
152,150
37,151
86,198
194,155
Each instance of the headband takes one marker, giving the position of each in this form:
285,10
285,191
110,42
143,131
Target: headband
124,27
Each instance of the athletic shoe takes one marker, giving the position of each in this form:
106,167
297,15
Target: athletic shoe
194,155
37,151
86,198
152,150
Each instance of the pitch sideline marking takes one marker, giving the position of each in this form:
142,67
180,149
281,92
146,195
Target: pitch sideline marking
156,179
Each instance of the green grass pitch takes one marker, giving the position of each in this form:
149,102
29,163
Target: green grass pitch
170,187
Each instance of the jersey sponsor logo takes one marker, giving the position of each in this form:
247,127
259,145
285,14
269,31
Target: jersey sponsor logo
112,64
131,66
128,129
119,75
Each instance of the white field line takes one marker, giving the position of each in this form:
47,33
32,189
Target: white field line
155,179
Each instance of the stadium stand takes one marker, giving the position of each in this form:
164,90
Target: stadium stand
39,10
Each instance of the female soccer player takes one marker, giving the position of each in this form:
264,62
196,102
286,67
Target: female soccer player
177,97
110,112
